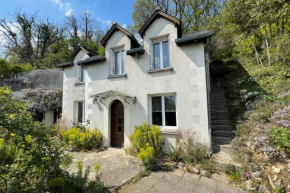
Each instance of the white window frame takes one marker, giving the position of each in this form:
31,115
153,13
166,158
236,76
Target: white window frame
77,110
113,60
159,40
163,126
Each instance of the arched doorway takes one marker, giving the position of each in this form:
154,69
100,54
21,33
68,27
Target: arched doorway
117,124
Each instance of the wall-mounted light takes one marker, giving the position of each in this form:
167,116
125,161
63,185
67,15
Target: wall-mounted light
134,99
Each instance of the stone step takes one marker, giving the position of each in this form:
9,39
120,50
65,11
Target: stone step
219,112
222,140
220,133
221,122
221,108
224,148
214,116
222,127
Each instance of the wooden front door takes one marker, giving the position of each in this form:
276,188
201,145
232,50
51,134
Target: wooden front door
117,124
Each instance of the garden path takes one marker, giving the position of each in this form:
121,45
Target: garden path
116,167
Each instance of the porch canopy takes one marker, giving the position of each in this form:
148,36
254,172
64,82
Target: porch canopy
104,95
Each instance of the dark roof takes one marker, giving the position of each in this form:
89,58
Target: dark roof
157,14
116,27
194,37
85,49
63,65
91,60
134,51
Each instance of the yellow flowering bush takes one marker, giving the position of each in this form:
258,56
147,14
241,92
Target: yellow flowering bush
148,144
82,140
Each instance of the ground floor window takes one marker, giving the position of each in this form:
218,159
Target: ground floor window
164,110
80,112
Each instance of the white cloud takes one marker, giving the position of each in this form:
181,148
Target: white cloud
63,6
124,26
107,22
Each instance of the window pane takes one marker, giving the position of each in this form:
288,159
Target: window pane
170,103
170,111
156,56
156,110
165,54
123,62
117,63
80,112
119,129
82,79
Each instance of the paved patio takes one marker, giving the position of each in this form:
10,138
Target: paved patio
180,182
116,167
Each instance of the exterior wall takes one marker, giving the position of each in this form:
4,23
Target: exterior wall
187,81
72,92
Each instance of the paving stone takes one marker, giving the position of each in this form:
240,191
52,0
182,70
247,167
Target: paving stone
186,183
224,188
115,168
220,177
178,172
205,185
162,187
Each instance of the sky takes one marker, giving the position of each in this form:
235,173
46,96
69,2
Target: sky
104,11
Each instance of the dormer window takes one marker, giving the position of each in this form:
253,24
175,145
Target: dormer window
80,74
160,53
118,61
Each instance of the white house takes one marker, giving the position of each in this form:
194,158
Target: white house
164,82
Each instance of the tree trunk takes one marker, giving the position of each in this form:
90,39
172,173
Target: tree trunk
268,48
257,55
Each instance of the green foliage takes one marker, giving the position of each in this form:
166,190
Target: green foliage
233,172
281,137
7,152
148,143
149,157
194,15
208,165
8,68
191,151
82,140
31,159
76,182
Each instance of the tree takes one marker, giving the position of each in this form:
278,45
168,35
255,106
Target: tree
194,14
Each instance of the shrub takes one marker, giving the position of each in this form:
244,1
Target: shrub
148,143
79,139
281,137
191,151
76,182
39,162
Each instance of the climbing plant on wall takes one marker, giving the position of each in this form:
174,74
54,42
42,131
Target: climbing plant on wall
41,101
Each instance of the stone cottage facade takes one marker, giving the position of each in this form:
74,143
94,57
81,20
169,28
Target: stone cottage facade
164,82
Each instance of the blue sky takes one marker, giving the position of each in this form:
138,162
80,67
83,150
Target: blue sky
104,11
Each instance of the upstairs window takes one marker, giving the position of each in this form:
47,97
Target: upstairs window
160,54
164,110
118,61
81,74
